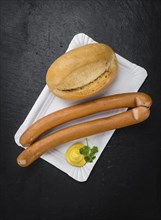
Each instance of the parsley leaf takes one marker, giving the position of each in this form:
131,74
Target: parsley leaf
89,153
94,150
87,158
85,150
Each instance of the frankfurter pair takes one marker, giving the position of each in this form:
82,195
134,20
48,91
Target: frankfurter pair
139,102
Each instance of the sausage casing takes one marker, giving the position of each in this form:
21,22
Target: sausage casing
139,102
126,100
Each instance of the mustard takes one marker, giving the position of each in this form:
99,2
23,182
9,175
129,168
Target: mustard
74,157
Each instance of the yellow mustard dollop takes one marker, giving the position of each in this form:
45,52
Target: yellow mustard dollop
74,157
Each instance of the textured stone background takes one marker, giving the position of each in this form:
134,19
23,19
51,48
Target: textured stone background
125,183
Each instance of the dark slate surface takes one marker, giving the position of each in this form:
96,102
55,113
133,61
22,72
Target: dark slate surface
125,183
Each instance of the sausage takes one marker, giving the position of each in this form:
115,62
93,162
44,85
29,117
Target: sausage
78,111
141,111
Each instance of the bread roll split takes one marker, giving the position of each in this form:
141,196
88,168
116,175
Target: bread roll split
82,72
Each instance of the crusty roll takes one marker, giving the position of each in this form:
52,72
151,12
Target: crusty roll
82,72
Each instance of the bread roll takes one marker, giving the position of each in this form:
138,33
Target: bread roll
82,72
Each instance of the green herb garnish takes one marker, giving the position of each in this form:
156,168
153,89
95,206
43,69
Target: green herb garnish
85,150
89,153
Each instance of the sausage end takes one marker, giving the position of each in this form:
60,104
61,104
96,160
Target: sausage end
140,113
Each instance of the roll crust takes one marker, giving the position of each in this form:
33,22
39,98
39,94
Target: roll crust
82,72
